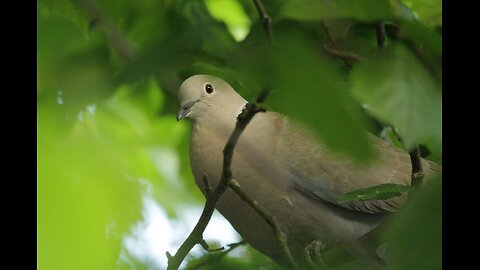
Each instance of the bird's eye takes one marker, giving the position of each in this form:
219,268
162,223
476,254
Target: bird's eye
208,88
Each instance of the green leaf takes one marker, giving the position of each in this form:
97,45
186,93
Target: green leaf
232,14
429,11
66,9
423,36
380,192
366,10
398,89
415,234
309,88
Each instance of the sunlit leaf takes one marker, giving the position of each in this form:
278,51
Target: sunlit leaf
232,13
85,201
89,179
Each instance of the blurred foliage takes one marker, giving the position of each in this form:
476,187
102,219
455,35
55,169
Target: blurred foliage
428,11
398,89
108,72
366,10
415,234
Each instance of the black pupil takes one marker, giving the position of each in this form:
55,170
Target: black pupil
209,88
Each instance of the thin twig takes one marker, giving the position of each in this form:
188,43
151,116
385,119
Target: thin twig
335,45
196,236
435,70
381,35
417,170
271,220
266,20
329,35
216,257
343,54
114,37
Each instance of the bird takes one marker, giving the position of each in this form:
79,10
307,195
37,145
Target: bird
288,170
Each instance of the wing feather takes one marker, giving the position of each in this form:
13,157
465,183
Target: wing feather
316,170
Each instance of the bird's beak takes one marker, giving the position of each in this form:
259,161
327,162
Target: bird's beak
185,109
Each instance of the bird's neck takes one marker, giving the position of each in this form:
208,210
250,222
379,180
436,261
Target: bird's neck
219,123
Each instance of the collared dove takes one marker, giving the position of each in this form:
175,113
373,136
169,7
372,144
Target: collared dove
286,168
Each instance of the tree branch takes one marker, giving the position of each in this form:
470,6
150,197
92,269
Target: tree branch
336,51
114,37
266,20
343,54
416,160
196,236
381,35
417,170
271,220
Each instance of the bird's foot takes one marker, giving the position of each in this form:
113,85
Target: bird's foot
313,255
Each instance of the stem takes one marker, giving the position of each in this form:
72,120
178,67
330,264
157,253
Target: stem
336,51
343,54
381,35
417,170
266,20
416,160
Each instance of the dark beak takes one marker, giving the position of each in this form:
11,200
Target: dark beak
185,109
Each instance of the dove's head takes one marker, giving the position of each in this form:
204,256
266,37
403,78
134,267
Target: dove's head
207,95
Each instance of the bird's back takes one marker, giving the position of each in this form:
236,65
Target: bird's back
294,177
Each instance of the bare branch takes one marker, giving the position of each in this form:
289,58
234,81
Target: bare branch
196,236
336,49
343,54
416,160
266,20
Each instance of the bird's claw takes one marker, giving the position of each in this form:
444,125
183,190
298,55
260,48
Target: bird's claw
313,255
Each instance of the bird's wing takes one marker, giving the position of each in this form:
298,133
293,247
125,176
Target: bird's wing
326,175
